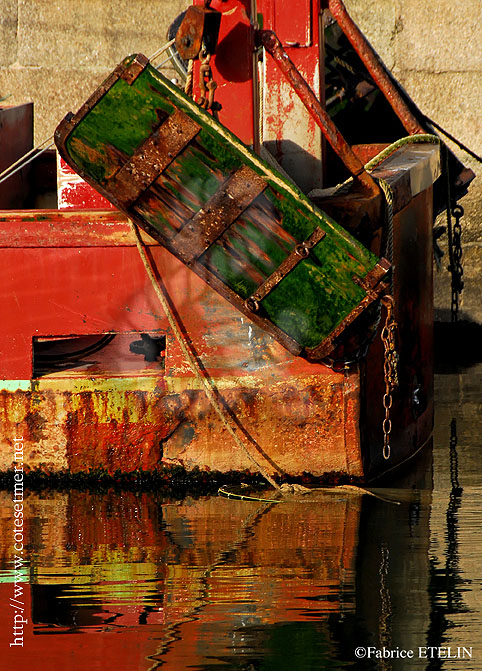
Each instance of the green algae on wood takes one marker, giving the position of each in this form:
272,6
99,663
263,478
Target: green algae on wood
316,295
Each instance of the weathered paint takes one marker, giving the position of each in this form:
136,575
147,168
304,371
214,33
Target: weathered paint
288,132
84,276
145,423
274,47
74,193
303,416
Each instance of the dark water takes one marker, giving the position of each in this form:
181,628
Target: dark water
139,582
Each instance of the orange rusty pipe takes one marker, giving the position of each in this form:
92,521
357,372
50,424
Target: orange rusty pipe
273,46
374,67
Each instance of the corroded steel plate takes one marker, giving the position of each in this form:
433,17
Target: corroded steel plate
230,217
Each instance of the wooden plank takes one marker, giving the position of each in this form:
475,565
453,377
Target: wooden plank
220,211
189,211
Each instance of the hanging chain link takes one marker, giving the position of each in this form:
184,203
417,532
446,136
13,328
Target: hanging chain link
455,268
207,85
390,369
454,236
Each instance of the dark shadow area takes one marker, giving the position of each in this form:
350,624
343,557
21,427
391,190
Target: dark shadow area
457,345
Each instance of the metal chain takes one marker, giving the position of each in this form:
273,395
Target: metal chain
390,369
455,268
454,235
207,85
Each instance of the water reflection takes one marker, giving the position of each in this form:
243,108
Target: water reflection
138,581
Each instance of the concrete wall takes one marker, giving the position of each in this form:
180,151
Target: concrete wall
56,53
434,50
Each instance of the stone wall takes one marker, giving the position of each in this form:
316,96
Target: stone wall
434,50
56,53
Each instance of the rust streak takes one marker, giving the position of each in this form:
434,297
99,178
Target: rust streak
273,46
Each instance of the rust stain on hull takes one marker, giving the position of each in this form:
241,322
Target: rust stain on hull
306,424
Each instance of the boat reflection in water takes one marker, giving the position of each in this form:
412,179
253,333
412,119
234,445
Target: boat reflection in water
135,581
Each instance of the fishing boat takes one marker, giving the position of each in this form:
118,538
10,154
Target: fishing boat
239,274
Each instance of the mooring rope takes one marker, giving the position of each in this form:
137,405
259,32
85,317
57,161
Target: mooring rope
303,494
206,381
26,159
162,50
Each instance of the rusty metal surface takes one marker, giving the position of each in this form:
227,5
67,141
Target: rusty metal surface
118,428
413,120
152,157
293,403
273,46
412,410
66,228
300,252
199,27
358,212
220,211
374,66
131,73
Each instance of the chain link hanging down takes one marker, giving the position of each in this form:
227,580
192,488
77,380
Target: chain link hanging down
207,85
455,268
390,369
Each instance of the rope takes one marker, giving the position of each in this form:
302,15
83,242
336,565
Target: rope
162,50
25,160
188,86
387,190
420,138
304,495
207,383
223,491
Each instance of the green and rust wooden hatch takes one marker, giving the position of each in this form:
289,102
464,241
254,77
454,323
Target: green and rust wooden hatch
234,220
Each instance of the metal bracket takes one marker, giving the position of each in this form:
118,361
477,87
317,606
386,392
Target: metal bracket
220,211
199,29
270,41
300,252
153,156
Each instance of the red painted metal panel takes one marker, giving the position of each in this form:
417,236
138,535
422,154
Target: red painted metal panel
294,27
288,131
74,193
233,68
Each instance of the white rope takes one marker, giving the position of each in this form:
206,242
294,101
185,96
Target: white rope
25,160
162,50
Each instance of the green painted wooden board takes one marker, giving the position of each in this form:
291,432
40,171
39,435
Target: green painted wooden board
154,153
